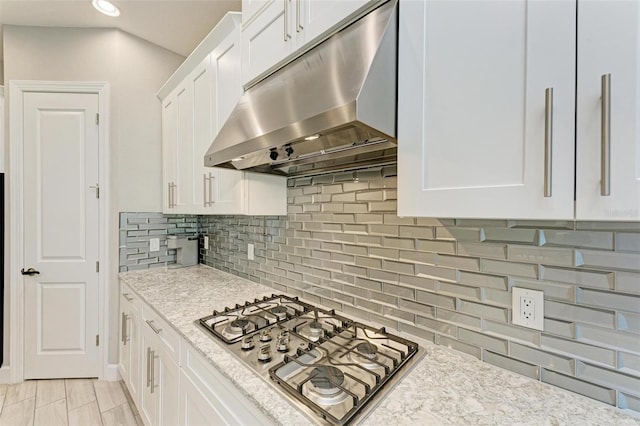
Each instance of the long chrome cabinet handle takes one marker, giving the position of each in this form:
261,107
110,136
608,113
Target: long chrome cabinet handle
205,201
148,365
605,137
286,15
156,330
208,194
123,329
153,370
174,195
211,180
299,26
548,140
287,36
169,194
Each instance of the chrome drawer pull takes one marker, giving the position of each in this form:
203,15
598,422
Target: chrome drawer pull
156,330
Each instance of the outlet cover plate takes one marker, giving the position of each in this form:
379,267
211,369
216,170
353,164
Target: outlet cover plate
250,254
531,313
154,244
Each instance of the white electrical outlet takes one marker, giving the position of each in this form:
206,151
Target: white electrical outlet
250,254
206,242
528,308
154,244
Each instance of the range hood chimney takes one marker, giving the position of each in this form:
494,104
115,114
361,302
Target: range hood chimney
334,108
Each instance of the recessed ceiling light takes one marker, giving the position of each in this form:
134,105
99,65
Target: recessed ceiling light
106,7
312,137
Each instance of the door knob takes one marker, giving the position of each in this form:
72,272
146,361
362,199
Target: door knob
29,271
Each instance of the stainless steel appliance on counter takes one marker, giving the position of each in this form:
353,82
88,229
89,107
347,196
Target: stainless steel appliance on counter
186,247
333,368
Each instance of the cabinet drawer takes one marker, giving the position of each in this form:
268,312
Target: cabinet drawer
219,391
130,298
168,338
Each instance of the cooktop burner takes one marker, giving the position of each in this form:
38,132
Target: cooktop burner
333,368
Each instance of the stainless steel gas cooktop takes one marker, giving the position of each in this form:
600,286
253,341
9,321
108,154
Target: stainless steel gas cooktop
333,368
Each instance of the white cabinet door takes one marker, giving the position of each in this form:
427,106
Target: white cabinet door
184,149
267,40
148,396
167,378
471,113
206,392
176,150
226,190
134,356
608,43
129,360
195,409
313,18
201,85
124,347
251,7
169,123
133,336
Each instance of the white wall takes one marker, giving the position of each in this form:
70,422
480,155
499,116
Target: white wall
135,70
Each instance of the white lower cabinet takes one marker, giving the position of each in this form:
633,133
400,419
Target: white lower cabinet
169,381
129,360
160,371
195,408
204,392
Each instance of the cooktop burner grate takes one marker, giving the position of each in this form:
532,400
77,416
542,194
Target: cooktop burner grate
334,368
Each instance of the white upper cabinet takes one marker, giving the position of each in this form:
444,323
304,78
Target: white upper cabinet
276,31
313,18
192,114
203,99
608,44
476,134
251,7
267,40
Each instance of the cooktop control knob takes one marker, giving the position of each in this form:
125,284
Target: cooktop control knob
264,353
247,343
283,344
265,336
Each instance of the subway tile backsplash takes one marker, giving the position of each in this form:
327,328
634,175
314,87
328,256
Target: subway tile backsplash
136,231
445,280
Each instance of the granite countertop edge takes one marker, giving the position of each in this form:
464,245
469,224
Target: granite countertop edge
446,387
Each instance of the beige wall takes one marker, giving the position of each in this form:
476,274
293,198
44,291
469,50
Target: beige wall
135,70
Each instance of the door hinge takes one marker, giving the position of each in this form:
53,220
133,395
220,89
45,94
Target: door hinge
97,340
97,266
97,119
97,188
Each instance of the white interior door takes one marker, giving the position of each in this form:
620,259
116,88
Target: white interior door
60,235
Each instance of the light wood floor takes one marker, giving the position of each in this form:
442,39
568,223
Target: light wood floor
81,402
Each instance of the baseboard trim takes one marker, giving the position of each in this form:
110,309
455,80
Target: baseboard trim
5,374
111,373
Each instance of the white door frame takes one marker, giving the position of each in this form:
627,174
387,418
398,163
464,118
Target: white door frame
17,88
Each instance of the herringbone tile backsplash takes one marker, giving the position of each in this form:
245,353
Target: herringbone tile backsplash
449,280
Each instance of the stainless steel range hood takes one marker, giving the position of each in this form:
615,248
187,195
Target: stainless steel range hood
334,108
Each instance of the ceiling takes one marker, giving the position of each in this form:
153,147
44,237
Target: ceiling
177,25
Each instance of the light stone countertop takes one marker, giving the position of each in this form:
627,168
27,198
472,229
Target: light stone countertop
445,388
